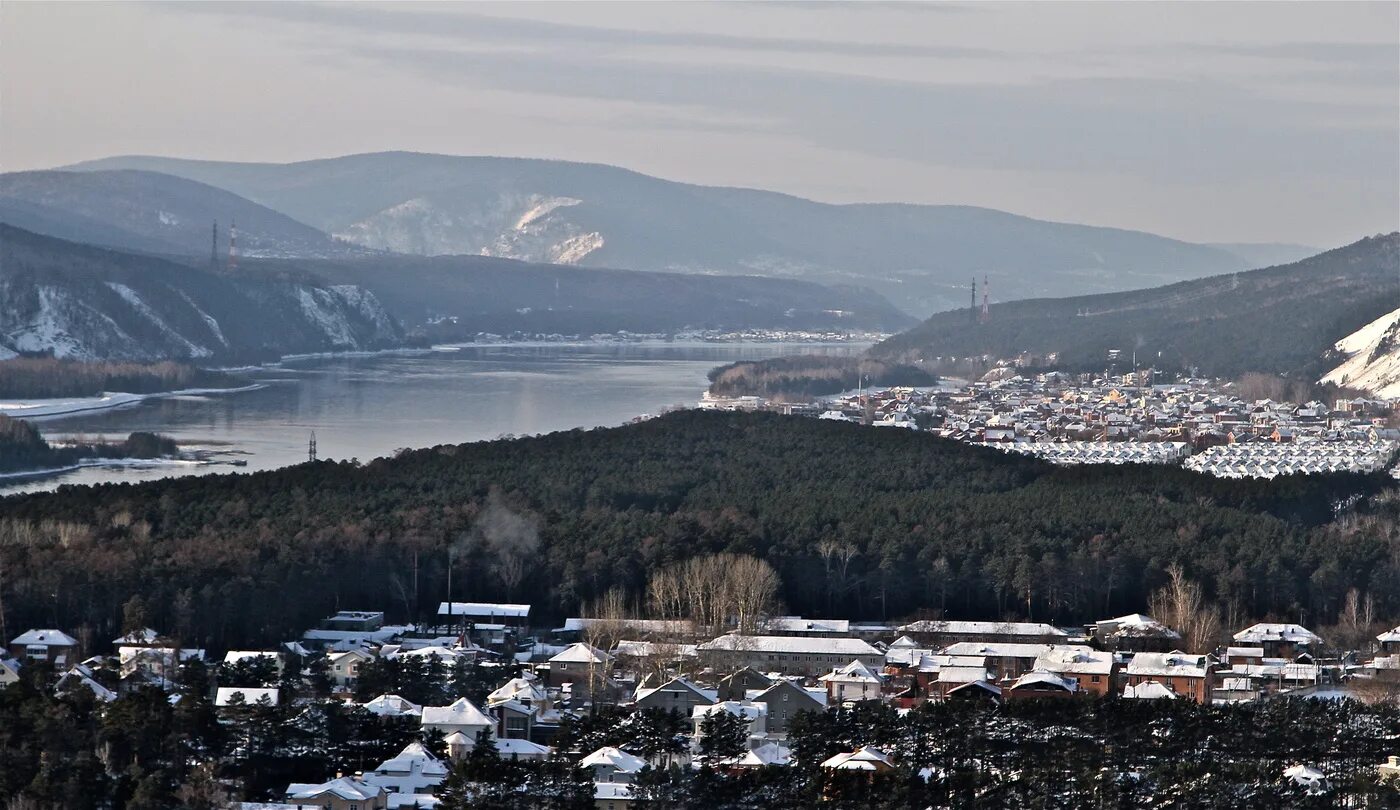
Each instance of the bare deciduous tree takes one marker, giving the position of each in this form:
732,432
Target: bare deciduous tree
1180,605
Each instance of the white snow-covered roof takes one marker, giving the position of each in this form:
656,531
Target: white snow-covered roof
962,674
234,656
904,642
1075,659
413,754
514,747
1137,624
1262,632
143,636
867,758
742,709
855,671
1176,664
392,706
797,624
1389,635
1305,775
1042,679
679,684
984,628
461,712
1148,691
767,754
251,695
620,760
483,609
346,787
581,653
998,649
523,689
853,647
48,638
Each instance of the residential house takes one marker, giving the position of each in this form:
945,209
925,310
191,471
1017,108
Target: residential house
393,706
9,671
1006,660
785,700
343,668
1041,684
1093,671
1188,676
54,646
343,793
1390,641
1279,640
610,764
676,695
755,715
867,758
414,770
1135,633
794,655
82,676
584,667
855,681
461,715
737,685
466,614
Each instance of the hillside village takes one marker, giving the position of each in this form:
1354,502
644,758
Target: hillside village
1207,425
484,686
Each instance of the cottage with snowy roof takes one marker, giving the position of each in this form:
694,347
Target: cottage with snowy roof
54,646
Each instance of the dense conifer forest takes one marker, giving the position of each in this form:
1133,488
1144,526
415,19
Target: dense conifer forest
858,522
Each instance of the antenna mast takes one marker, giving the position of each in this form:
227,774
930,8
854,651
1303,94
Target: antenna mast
986,311
972,311
233,247
311,448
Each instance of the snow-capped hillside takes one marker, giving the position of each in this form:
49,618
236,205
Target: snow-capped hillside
529,227
81,302
1372,358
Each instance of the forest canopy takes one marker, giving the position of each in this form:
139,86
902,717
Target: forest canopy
931,525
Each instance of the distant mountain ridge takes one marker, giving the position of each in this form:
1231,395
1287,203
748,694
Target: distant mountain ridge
153,213
83,302
921,256
1281,319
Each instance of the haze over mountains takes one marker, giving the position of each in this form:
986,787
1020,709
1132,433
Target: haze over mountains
919,256
1282,319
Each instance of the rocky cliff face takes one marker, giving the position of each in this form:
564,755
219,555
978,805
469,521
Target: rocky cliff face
77,301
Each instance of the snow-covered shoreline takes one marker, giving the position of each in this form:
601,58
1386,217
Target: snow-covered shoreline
136,463
49,408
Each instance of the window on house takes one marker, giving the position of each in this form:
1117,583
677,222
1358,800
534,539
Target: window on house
563,666
1094,679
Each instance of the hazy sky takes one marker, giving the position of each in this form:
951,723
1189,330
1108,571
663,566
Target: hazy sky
1204,121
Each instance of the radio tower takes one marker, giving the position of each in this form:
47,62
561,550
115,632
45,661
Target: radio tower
214,248
311,448
233,247
972,311
986,312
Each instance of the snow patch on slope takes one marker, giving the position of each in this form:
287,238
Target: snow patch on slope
131,297
320,309
48,330
1372,358
208,319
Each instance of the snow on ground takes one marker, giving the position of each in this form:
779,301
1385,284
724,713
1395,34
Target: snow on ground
38,408
1373,358
46,332
316,304
144,310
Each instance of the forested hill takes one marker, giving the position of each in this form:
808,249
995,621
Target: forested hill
82,302
920,256
933,524
1279,319
465,295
